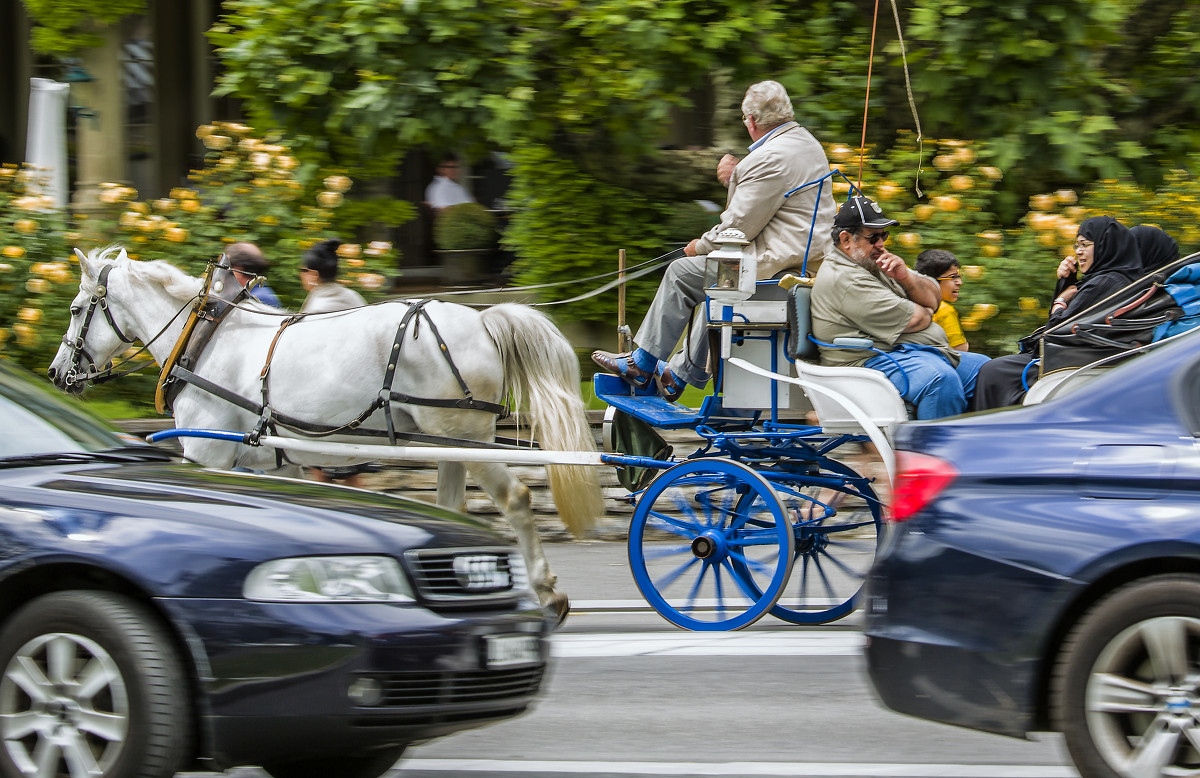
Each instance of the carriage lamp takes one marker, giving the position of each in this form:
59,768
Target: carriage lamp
729,274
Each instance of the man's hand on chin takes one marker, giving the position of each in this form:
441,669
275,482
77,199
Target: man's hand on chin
892,266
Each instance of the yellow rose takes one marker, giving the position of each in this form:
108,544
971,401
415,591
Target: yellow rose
13,252
337,183
1042,202
961,183
973,272
909,240
25,226
923,212
29,315
329,199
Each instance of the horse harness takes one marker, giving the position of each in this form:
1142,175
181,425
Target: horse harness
211,310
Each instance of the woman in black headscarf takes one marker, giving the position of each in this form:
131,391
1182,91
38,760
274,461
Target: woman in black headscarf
1158,249
1107,255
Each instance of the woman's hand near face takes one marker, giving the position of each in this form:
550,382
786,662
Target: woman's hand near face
1067,267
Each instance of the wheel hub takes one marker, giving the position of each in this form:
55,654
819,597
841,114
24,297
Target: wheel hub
708,546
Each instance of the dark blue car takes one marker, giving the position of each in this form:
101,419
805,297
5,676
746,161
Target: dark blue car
156,616
1042,570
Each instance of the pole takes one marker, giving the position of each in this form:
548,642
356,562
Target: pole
623,339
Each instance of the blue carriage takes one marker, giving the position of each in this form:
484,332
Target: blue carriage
766,516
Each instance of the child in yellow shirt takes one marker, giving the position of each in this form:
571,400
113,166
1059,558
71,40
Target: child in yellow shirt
943,265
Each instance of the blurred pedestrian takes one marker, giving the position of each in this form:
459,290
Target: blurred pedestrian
444,190
250,267
318,276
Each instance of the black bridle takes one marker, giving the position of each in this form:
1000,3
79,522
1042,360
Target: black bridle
79,352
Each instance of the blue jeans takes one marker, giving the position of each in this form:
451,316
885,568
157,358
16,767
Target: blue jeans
934,387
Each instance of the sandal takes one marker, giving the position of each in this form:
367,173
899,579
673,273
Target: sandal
623,366
670,388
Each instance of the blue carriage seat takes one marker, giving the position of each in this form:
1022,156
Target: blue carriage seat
869,390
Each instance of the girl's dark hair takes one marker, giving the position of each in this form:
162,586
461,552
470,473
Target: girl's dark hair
935,262
323,258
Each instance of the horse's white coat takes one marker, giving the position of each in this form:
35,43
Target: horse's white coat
329,367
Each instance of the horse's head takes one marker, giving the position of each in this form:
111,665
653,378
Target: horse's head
93,336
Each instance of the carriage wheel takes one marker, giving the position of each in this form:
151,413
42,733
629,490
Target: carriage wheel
689,530
838,520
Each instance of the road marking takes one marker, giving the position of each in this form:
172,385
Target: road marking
811,769
808,642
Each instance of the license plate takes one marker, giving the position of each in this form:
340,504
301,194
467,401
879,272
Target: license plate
511,650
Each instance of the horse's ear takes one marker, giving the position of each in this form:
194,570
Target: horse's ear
123,256
84,266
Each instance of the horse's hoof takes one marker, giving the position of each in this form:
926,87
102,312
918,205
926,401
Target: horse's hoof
557,607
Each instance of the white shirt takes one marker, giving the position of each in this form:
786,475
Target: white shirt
442,192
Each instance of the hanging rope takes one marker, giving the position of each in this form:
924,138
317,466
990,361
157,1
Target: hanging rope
912,103
862,146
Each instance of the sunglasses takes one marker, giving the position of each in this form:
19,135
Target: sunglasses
875,237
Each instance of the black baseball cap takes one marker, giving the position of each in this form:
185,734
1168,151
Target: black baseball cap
860,211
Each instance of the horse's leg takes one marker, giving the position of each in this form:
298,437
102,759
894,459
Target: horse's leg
512,497
452,486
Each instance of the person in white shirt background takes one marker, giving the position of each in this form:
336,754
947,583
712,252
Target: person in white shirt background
444,190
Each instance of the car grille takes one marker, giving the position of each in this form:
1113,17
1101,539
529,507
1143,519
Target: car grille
468,574
403,689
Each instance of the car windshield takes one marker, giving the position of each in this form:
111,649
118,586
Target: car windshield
38,421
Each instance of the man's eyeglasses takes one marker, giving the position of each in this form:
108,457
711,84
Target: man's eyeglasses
951,277
1083,244
875,237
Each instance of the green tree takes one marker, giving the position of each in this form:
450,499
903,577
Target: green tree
62,27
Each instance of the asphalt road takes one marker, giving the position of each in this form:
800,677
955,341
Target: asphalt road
629,695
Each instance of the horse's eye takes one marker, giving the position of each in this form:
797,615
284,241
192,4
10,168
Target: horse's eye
75,309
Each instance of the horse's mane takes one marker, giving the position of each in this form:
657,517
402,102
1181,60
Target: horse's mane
174,281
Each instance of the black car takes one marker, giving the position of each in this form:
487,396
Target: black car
156,616
1042,570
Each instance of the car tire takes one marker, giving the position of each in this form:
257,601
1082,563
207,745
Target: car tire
1125,687
371,766
111,689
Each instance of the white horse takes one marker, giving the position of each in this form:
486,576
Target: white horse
328,368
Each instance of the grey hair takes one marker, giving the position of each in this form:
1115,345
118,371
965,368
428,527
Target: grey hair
769,104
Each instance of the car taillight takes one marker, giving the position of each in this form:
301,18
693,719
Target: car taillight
919,479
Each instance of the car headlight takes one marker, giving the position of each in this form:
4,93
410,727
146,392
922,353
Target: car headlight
328,579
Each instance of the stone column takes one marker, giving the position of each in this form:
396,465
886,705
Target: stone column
101,146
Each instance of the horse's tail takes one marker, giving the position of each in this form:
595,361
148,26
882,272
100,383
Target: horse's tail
542,371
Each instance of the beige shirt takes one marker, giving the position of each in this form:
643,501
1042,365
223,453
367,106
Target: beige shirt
850,301
778,227
331,296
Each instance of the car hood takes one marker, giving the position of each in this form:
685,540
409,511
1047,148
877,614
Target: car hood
180,529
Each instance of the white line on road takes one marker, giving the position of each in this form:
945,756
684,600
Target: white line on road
839,769
809,642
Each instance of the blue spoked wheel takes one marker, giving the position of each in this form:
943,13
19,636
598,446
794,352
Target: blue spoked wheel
692,525
838,520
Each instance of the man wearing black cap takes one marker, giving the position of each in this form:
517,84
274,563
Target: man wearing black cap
864,291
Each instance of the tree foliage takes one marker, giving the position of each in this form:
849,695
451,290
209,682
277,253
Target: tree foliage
64,27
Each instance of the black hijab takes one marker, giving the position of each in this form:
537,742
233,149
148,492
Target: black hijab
1116,262
1157,248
